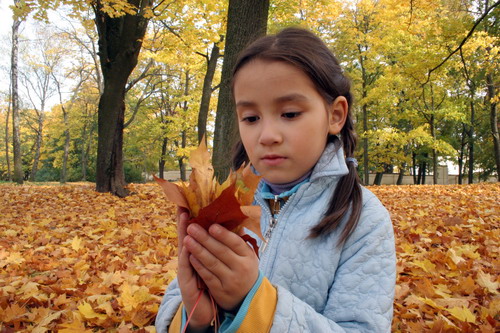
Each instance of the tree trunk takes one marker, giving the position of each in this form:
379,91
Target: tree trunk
7,139
424,169
161,163
246,21
414,167
207,91
120,41
365,146
471,142
434,152
16,140
401,174
461,157
83,159
378,178
67,138
38,145
494,122
182,165
364,93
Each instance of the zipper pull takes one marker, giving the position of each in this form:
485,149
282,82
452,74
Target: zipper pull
272,224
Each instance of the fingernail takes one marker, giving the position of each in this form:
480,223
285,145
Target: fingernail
215,229
193,228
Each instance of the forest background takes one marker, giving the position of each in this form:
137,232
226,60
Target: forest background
424,73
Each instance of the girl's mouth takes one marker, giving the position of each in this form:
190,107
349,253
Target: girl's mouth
273,160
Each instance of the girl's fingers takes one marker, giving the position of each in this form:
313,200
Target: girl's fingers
207,250
207,275
185,269
230,239
182,223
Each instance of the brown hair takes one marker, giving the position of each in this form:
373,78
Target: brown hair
307,52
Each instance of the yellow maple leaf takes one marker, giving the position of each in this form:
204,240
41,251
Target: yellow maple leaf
425,264
485,281
462,314
48,319
76,244
430,302
205,198
13,312
76,326
15,258
132,296
88,312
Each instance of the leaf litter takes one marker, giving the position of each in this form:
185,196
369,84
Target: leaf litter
74,260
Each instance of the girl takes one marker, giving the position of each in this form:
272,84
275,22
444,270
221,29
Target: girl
328,261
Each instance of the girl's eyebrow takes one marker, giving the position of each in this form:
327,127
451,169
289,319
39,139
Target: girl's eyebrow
294,97
245,103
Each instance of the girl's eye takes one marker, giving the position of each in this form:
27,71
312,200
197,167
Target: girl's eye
290,115
250,119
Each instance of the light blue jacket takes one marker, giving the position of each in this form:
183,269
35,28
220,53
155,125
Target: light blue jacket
323,288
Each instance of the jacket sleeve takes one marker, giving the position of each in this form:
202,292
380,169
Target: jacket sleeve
361,296
169,306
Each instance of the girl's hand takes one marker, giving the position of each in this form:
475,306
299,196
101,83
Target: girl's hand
188,283
224,261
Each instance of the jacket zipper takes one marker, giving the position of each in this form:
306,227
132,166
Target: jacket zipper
273,222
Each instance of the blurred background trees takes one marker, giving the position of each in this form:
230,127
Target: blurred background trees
424,73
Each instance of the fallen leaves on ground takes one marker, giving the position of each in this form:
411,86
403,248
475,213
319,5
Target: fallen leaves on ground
448,243
73,260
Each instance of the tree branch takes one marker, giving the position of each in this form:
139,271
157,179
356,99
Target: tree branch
479,20
140,77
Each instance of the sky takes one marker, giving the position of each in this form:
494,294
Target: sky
6,16
26,32
5,31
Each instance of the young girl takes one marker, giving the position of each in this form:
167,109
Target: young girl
328,260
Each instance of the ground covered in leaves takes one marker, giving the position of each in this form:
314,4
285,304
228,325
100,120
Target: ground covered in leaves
73,260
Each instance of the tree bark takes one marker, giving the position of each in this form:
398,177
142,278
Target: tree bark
182,164
414,167
434,152
246,21
401,174
378,178
494,121
161,163
207,91
38,145
461,156
7,139
16,140
471,141
365,144
67,138
120,41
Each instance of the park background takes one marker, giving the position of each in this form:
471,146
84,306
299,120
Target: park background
425,79
424,73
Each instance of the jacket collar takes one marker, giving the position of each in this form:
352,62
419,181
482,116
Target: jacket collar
331,163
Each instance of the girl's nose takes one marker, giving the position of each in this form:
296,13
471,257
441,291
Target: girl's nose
269,134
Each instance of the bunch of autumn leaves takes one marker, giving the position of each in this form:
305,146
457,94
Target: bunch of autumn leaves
208,202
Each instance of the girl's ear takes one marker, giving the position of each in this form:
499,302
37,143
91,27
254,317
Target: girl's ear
337,114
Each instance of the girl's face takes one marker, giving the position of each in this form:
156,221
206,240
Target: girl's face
283,121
